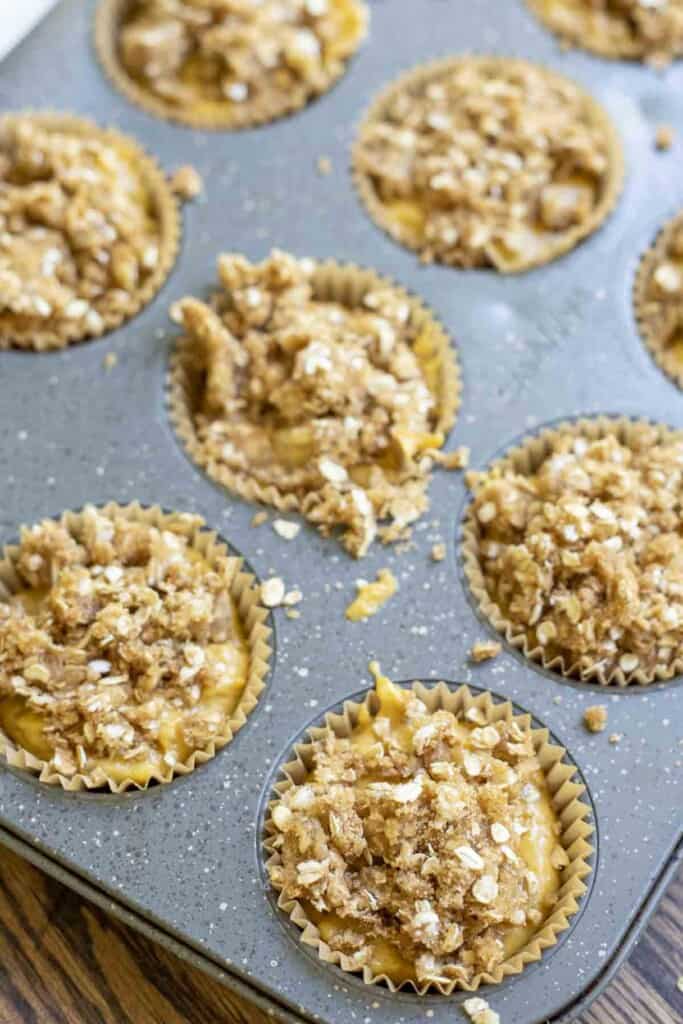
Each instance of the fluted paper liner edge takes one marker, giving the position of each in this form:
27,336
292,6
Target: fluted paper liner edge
525,458
344,283
58,336
565,793
423,73
652,327
244,592
237,117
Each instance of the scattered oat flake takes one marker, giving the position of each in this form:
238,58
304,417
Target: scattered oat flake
324,165
479,1011
272,592
285,529
438,552
110,360
664,137
186,182
292,613
595,717
259,518
484,650
292,597
371,596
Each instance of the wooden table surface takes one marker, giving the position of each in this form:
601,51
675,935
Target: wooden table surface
63,961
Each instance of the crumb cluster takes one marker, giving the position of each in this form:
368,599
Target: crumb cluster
584,554
237,60
81,235
118,646
487,162
405,841
325,404
649,30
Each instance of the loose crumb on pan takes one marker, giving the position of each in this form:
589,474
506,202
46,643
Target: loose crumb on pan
595,718
479,1011
273,592
236,63
615,738
286,529
487,162
259,518
326,406
459,458
664,137
110,360
186,182
438,552
122,652
484,650
324,165
409,842
583,554
372,596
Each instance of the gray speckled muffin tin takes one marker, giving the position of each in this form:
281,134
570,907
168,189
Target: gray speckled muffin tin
182,861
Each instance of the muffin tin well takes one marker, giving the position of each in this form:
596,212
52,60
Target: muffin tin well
180,861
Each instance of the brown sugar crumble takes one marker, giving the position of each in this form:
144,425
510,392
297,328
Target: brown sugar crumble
649,30
233,63
314,401
81,234
664,137
186,182
484,161
484,650
410,842
122,652
595,718
583,554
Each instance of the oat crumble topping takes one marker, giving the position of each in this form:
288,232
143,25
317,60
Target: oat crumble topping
650,30
80,232
585,553
237,60
122,652
329,404
595,718
423,845
487,162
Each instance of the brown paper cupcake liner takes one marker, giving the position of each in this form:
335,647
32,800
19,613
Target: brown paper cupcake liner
56,336
525,459
601,43
108,17
343,283
570,806
651,315
422,74
245,594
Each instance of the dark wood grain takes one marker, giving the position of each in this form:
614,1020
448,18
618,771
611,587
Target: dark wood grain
63,961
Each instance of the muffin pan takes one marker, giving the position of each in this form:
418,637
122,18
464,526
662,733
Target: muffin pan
183,862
